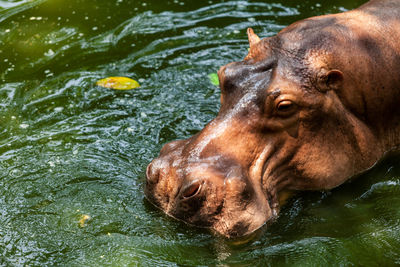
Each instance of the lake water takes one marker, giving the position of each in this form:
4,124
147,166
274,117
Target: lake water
73,155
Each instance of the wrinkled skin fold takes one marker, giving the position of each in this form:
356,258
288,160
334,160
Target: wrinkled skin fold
305,110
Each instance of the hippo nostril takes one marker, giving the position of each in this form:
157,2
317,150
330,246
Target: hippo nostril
192,189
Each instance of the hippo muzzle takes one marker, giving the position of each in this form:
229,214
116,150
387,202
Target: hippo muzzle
211,190
295,115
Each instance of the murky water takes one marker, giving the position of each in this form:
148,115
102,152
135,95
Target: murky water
73,155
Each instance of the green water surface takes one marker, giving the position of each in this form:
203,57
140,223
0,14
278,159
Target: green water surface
71,150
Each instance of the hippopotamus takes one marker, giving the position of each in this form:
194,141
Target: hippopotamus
307,109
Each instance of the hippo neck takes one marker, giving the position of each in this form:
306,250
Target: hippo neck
391,133
378,62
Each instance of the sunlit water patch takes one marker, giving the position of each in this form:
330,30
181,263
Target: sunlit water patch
73,155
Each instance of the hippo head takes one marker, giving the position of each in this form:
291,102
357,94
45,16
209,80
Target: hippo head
287,122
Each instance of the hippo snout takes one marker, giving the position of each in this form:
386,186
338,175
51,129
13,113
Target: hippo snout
163,188
212,191
189,192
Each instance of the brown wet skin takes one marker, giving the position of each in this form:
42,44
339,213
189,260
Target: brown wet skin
306,110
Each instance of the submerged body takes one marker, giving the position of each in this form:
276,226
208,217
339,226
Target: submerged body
306,110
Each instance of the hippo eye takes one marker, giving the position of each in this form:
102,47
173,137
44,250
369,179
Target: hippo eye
285,107
192,190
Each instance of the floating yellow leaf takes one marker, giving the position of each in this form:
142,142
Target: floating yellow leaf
118,83
83,220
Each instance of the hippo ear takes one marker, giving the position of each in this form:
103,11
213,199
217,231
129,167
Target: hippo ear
253,38
332,80
253,41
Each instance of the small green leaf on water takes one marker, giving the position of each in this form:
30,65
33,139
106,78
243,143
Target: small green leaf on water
214,78
118,83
